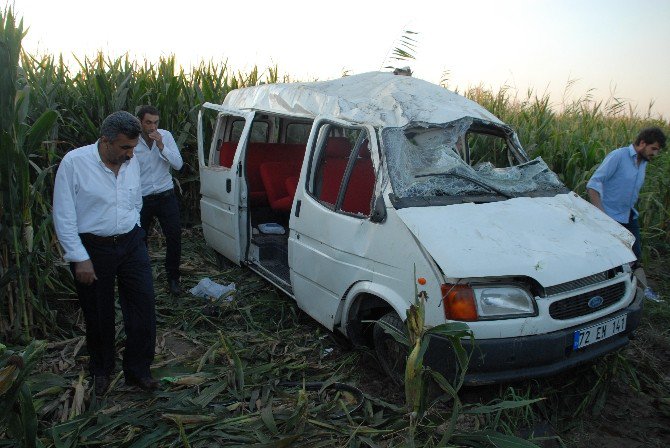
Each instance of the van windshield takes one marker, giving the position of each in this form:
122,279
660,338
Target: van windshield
470,158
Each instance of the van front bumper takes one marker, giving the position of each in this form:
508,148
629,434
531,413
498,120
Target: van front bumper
512,359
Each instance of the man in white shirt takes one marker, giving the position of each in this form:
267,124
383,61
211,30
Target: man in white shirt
96,212
157,152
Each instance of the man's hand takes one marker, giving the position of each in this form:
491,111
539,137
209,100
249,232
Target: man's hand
158,138
594,197
84,272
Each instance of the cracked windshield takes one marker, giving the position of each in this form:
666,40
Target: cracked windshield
463,158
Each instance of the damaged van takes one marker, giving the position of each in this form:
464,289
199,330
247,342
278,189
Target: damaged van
337,191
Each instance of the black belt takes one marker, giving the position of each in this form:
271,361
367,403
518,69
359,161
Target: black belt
162,194
106,240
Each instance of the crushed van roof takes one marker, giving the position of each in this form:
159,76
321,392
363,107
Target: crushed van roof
377,98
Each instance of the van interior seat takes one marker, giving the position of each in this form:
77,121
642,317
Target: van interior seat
260,153
358,196
275,177
291,184
227,153
338,148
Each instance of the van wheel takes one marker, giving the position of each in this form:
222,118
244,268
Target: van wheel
391,353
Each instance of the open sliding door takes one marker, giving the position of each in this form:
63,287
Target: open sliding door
220,154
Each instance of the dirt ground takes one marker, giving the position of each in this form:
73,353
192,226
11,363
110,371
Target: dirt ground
629,417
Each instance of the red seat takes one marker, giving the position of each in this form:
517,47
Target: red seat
227,153
358,195
291,184
332,173
275,176
338,148
260,153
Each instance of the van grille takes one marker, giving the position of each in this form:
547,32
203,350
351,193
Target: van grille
576,284
578,305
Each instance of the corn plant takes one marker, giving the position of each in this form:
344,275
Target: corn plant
17,413
26,243
417,376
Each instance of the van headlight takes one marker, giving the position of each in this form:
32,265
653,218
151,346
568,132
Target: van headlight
503,301
486,302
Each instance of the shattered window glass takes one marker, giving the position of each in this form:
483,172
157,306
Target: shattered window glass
463,158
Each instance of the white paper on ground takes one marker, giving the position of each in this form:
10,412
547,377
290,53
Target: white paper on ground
208,288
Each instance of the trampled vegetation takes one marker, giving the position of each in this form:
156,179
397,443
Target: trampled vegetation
234,371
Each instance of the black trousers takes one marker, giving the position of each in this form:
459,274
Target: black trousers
126,263
165,207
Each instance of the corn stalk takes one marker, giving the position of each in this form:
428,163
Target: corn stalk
21,186
417,377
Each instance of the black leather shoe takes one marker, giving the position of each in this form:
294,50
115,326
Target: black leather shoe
146,383
173,286
101,384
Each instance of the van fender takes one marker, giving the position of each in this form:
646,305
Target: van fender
384,293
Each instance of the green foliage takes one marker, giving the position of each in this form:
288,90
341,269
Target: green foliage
102,85
17,413
404,50
417,377
27,252
406,47
46,109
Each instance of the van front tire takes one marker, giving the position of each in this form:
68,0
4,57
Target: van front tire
392,354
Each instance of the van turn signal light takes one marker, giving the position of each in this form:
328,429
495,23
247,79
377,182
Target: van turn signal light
459,302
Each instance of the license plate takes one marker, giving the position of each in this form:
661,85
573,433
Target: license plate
596,333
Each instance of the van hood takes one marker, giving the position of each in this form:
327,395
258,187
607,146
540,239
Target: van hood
551,239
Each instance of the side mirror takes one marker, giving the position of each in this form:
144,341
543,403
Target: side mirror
378,210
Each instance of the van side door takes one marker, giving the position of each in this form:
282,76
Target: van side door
330,224
223,194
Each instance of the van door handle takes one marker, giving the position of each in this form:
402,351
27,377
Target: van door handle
297,208
228,185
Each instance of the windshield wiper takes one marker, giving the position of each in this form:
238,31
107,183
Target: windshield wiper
471,179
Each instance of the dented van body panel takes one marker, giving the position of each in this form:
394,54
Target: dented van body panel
374,180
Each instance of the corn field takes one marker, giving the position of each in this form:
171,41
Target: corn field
64,106
48,108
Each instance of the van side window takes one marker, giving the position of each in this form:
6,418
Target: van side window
259,131
212,139
343,175
298,132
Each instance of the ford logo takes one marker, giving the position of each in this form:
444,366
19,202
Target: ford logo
595,301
